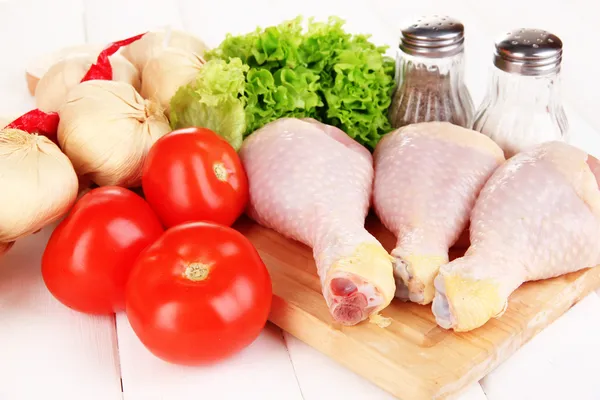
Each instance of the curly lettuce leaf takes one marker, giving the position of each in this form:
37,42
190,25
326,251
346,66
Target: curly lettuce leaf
357,80
270,48
287,92
278,83
214,100
321,72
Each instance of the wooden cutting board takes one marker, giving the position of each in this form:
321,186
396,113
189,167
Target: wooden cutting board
413,358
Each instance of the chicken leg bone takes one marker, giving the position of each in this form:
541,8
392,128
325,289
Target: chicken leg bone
311,182
537,217
427,177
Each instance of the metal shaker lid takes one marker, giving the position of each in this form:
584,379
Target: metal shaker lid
433,36
532,52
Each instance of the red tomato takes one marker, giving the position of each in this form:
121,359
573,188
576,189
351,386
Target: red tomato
193,174
91,252
199,294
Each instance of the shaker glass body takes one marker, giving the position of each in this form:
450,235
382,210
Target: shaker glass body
430,89
521,111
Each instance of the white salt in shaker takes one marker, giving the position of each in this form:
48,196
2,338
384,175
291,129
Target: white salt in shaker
523,104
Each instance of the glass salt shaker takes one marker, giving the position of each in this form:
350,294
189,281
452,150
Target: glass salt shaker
523,105
429,74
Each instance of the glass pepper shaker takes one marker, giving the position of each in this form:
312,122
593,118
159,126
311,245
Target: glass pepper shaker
430,74
523,105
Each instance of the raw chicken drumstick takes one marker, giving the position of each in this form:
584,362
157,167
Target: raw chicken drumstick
427,177
312,182
537,217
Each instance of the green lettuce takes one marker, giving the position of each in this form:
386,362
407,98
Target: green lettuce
320,72
356,82
285,93
214,100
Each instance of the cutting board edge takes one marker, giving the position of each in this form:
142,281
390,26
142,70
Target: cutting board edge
587,282
392,372
301,317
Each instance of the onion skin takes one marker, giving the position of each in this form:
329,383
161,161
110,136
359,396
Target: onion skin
39,184
52,89
40,65
168,71
141,51
106,128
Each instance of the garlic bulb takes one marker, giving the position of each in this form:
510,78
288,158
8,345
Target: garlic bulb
141,51
52,89
166,72
38,182
106,128
41,64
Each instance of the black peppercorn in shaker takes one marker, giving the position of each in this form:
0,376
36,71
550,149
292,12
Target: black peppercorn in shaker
429,74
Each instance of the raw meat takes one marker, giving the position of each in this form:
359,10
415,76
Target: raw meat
313,183
427,177
537,217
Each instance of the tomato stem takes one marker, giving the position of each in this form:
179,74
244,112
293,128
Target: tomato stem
196,272
220,171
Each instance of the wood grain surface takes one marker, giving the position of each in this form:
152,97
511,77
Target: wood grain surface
413,358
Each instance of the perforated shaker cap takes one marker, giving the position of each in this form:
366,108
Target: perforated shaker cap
433,36
532,52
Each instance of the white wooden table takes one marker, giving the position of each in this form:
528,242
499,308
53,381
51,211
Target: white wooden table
50,352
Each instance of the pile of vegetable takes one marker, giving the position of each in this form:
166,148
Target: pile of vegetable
154,259
38,181
102,133
320,72
107,126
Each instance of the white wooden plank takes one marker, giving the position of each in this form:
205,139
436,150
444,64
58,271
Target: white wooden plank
30,19
213,20
110,20
473,392
47,350
559,363
320,377
25,34
261,371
